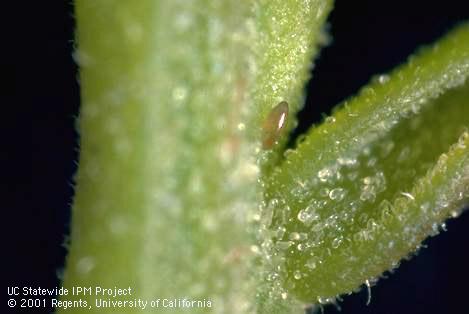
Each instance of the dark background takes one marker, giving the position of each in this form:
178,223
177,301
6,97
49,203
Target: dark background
369,37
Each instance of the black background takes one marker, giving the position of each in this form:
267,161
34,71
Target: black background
369,37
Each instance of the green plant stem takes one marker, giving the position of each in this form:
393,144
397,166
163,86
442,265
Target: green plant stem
173,95
363,189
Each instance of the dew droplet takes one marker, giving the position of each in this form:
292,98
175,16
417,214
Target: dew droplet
443,227
324,174
308,214
336,242
296,236
272,276
367,180
254,249
382,79
337,194
297,275
301,247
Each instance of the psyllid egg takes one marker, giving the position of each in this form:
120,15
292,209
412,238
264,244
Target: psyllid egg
274,124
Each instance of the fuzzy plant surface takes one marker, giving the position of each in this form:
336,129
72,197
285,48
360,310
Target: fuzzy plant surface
185,188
